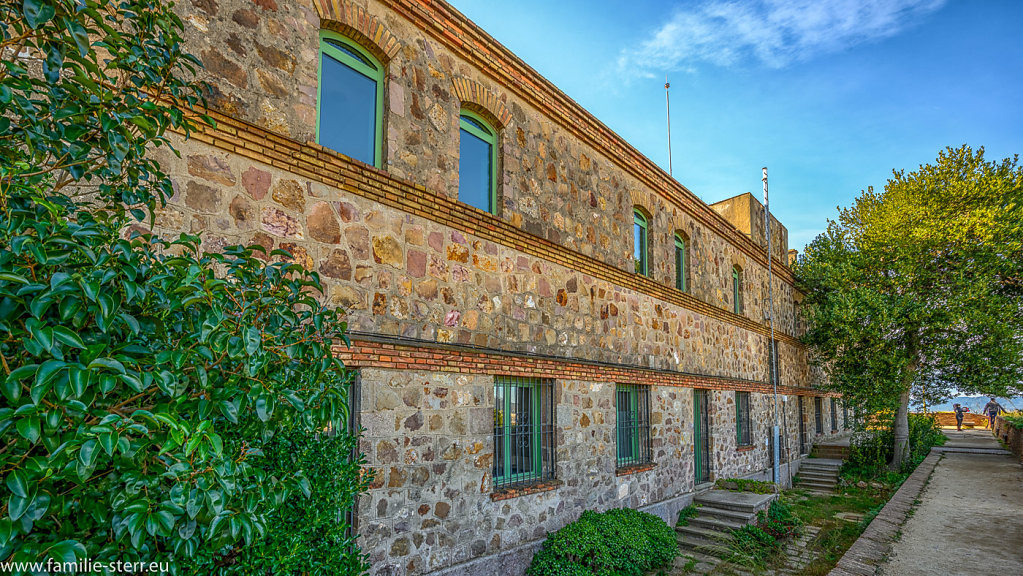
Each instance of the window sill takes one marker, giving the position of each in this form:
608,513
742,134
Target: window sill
634,469
508,493
745,448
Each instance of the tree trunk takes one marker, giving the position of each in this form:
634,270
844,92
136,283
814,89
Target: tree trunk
900,428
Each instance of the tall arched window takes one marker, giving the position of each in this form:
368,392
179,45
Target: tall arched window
681,263
351,99
737,289
640,248
477,162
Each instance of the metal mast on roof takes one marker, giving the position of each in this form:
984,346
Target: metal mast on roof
770,315
667,101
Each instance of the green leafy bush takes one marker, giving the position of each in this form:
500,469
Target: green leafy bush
160,404
686,513
871,449
778,521
1014,419
619,542
745,485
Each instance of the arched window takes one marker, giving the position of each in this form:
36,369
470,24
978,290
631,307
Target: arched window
351,99
681,263
477,162
737,290
640,248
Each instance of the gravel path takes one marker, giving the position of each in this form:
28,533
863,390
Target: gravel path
970,520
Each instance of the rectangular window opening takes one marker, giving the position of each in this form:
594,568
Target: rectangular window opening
523,431
633,424
743,423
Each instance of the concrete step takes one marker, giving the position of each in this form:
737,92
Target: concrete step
817,485
747,502
822,463
814,474
726,514
716,523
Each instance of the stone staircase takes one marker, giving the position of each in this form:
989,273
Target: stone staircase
719,512
831,451
819,475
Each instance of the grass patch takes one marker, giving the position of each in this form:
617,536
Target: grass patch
686,513
743,485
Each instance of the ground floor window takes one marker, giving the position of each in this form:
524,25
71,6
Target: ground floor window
845,415
834,415
523,431
743,424
633,415
818,413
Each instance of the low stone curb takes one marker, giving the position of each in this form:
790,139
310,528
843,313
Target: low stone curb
869,551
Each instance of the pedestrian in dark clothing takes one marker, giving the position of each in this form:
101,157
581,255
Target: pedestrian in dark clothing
992,409
960,413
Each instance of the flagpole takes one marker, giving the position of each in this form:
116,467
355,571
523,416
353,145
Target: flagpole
667,101
770,315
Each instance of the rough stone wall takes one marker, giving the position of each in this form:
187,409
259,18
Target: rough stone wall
553,185
429,439
399,274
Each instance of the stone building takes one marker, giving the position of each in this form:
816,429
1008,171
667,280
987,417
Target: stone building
542,320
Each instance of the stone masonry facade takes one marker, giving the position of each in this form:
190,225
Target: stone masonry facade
443,299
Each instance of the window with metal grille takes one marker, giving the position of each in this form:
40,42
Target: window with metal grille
681,261
845,415
737,290
743,424
818,413
523,431
633,408
834,415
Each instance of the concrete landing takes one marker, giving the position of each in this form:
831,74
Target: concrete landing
746,501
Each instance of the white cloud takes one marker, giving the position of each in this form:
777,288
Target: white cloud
772,33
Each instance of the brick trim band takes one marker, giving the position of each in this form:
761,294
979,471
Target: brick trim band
446,358
322,165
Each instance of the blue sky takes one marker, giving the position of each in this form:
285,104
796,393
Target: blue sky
830,95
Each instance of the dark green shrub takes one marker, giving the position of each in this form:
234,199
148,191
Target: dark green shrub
154,396
1015,420
686,513
871,449
778,521
745,485
619,542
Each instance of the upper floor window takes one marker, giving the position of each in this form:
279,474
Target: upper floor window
681,262
737,290
351,100
477,168
640,248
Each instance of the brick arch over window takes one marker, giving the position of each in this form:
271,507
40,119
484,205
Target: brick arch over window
477,98
353,21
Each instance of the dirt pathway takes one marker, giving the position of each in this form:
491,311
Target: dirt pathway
970,519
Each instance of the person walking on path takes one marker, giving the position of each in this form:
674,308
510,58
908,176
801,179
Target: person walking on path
960,414
992,409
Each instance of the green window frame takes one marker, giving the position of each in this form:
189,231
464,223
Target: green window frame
632,409
736,290
680,263
348,53
834,415
473,124
743,423
640,242
523,431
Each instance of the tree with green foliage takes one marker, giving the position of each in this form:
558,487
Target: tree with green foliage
918,288
158,404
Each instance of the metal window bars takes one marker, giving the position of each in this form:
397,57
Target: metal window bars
633,424
818,412
523,431
743,422
834,415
